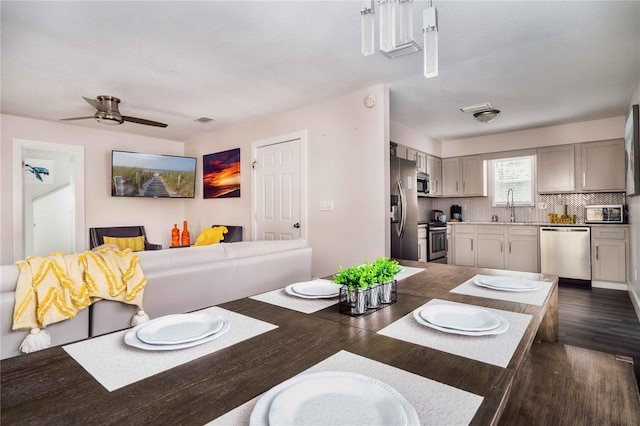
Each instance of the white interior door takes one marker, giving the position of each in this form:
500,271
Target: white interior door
278,189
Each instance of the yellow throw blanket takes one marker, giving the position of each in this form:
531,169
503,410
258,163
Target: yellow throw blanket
54,288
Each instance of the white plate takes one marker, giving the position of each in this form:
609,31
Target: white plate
503,327
465,318
506,283
131,339
179,328
316,289
333,398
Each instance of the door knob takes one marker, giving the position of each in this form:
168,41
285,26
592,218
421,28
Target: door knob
296,225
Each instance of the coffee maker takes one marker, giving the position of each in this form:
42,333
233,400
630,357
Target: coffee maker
456,213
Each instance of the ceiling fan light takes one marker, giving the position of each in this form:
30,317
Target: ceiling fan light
486,116
108,118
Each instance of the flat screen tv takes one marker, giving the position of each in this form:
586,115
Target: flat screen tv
134,174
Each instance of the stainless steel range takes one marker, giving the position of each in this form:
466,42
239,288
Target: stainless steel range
436,241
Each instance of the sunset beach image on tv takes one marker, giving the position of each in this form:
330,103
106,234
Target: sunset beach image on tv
136,174
221,174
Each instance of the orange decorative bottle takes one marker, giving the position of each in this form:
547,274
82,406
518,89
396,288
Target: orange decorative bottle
186,238
175,236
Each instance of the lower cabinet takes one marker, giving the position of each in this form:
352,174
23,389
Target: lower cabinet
422,243
512,247
609,252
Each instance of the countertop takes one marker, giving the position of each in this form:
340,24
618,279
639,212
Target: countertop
480,222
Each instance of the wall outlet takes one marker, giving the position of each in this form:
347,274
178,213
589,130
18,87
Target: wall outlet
542,206
326,205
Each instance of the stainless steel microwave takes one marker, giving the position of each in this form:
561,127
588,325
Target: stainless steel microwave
422,182
604,214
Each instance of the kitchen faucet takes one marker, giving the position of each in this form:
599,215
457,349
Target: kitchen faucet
511,207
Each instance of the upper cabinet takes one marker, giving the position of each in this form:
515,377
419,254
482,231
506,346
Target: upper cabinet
556,169
591,166
434,169
464,177
421,160
602,166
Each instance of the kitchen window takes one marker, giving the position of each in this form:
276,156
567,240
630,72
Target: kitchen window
515,173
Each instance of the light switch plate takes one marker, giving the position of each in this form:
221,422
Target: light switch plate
326,205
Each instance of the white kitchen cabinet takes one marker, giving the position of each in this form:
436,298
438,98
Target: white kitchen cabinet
474,182
412,155
421,159
464,245
556,169
512,247
434,169
521,253
422,243
451,176
464,176
602,166
490,251
401,151
609,252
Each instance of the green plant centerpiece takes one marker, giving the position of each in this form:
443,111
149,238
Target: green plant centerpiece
368,285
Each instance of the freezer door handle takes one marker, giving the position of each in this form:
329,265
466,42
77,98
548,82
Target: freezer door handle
402,200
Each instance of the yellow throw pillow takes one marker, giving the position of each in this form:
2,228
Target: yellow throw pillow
210,236
133,243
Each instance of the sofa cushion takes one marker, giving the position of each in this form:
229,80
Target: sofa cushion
171,258
8,277
133,243
255,248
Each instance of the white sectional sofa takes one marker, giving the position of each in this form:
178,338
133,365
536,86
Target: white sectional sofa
178,280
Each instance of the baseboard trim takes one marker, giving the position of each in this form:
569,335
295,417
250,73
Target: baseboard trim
635,301
609,285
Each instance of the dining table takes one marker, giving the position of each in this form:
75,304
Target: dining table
78,382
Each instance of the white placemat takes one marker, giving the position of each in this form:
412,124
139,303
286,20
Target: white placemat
536,297
407,271
115,364
281,298
492,349
435,402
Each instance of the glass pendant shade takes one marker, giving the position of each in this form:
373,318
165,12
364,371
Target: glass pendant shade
430,34
387,12
431,52
368,39
405,22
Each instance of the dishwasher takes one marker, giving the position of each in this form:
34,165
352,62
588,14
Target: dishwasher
566,251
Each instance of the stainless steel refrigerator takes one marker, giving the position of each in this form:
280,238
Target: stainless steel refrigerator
404,209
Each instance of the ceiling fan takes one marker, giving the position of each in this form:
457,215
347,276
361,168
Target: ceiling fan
107,112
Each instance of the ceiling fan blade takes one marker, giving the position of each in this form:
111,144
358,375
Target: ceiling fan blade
97,105
76,118
143,121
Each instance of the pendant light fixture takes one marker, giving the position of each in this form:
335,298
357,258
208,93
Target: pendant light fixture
366,23
430,35
396,31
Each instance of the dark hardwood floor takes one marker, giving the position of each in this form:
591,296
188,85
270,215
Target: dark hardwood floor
599,319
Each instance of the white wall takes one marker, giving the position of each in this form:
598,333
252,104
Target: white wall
586,131
157,215
348,161
406,136
633,204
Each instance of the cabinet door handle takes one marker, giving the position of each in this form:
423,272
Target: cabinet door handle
456,186
509,247
500,246
471,245
584,179
596,252
419,251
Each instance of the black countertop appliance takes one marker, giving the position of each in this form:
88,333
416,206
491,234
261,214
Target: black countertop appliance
456,209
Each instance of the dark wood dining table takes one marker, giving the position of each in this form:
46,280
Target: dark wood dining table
50,387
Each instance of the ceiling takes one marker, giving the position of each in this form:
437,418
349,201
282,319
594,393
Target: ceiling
541,63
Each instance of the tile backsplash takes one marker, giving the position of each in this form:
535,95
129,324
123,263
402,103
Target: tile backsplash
480,209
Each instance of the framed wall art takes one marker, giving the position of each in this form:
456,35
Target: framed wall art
632,151
38,170
221,174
